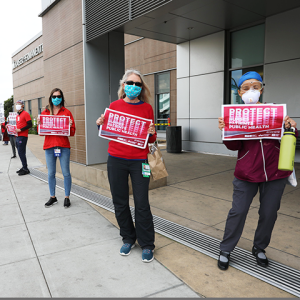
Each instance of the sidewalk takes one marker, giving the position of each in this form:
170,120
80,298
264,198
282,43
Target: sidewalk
57,252
198,196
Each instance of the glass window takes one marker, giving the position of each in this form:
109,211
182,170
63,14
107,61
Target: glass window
235,76
162,99
39,106
247,54
29,107
247,47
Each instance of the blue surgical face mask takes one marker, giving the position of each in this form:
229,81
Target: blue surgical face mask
56,101
132,91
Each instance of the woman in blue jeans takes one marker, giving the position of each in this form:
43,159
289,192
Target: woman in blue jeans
58,146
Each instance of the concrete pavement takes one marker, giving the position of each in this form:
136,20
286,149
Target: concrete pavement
198,196
57,252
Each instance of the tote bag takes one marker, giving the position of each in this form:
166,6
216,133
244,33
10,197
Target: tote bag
156,162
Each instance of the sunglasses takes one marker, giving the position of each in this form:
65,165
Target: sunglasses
134,83
53,97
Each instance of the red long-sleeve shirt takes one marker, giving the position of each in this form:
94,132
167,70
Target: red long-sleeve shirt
143,110
57,140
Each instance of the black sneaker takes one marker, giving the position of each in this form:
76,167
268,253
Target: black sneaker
261,258
24,172
13,156
19,170
51,202
223,261
67,203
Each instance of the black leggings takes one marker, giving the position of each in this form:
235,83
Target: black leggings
118,171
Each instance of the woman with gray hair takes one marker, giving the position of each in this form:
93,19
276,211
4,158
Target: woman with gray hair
124,160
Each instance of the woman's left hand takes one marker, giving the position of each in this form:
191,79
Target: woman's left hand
18,130
288,122
151,129
71,122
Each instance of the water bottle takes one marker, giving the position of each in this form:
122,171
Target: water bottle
287,150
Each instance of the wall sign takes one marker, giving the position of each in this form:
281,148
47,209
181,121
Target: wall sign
34,52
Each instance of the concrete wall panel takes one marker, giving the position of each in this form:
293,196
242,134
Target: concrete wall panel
282,80
183,60
282,36
101,88
206,95
205,130
185,128
183,106
207,54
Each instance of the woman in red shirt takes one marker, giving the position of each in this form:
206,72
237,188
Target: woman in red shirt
124,160
4,133
58,146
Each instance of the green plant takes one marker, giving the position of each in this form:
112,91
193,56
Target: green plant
33,129
8,106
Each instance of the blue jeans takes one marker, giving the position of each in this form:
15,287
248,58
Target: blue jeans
64,160
21,142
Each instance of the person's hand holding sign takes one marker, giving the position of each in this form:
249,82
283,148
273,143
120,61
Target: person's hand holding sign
151,129
100,120
288,122
221,123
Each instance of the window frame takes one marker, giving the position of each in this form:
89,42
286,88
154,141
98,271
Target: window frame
157,97
40,105
227,60
29,107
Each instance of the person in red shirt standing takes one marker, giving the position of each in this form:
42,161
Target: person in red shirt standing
4,133
58,146
23,124
124,160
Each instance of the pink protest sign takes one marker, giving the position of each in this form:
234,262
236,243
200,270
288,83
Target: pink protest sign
11,129
54,125
260,121
124,128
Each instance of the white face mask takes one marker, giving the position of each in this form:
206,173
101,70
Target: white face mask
251,96
18,107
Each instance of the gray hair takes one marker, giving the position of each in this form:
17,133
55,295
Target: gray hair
145,94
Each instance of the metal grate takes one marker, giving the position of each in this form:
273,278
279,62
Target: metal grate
102,16
141,7
278,275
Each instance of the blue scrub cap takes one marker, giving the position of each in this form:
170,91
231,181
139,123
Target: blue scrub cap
249,75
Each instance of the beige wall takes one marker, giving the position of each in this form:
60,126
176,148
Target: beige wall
150,56
28,78
63,65
59,65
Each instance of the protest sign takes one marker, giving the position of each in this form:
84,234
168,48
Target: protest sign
12,118
260,121
54,125
125,128
12,123
11,129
